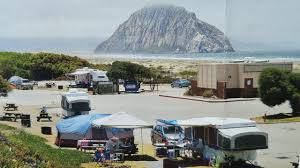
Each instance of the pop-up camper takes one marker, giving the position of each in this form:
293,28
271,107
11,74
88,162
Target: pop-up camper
75,103
225,138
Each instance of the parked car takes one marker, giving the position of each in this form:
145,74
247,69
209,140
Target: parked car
26,85
168,134
181,83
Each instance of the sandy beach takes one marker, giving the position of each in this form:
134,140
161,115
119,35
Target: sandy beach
173,65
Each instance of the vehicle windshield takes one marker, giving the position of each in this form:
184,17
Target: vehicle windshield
172,130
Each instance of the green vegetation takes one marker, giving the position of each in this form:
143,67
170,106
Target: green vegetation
25,150
128,71
188,74
41,66
277,86
4,87
208,93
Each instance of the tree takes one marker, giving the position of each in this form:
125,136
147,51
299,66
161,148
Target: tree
294,92
4,87
127,71
277,86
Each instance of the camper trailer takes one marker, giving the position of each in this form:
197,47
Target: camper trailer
87,77
75,103
226,139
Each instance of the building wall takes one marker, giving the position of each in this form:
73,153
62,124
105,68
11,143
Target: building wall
233,75
253,70
206,77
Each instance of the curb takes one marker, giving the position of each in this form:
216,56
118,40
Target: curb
208,101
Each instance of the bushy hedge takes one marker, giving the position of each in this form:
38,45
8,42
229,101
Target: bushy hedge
41,66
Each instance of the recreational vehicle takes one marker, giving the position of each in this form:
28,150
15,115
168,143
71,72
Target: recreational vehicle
226,139
87,77
75,103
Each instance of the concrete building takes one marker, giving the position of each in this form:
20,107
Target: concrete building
233,80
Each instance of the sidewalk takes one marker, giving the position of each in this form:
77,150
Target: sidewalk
209,100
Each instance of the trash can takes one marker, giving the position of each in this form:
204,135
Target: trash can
25,120
46,130
60,87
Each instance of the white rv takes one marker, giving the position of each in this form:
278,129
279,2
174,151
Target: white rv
75,103
87,77
225,139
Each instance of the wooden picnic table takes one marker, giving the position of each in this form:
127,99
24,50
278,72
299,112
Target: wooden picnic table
11,106
9,114
44,116
9,117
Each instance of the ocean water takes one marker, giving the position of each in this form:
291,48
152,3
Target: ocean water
85,47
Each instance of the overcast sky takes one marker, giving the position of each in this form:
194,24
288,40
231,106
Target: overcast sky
87,18
262,21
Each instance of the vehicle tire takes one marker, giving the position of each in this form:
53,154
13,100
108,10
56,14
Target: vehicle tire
180,86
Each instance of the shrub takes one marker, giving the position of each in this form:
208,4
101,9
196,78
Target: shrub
189,92
208,93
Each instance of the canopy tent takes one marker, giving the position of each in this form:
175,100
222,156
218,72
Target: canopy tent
78,127
217,122
17,80
121,120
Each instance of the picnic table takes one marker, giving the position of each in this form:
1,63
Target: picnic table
11,116
90,144
44,116
11,106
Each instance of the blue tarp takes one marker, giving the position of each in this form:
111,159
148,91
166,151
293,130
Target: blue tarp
78,125
16,80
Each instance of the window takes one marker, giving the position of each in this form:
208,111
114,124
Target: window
81,106
250,142
223,142
172,130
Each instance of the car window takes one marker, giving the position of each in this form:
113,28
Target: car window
158,128
172,130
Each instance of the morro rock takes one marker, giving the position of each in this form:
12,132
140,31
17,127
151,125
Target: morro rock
165,29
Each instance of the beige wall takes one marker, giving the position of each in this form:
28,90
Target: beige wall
234,73
207,76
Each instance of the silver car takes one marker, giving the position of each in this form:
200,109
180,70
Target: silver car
170,135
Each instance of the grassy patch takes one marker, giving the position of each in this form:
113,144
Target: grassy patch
276,118
26,149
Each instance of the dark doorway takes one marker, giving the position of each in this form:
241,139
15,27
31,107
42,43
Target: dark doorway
248,88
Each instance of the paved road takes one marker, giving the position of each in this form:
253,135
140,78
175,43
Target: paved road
283,138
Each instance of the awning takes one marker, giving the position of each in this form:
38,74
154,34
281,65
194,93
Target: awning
79,73
121,120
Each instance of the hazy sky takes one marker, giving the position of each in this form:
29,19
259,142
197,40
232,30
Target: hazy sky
258,21
273,22
87,18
